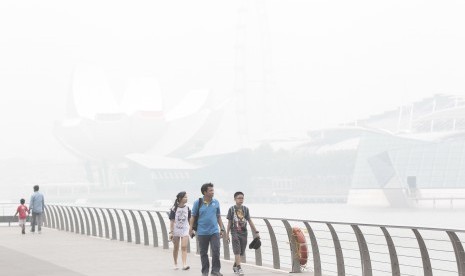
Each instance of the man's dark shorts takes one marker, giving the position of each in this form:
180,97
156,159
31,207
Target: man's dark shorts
239,243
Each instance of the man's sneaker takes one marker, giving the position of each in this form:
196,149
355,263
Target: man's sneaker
240,271
235,269
216,273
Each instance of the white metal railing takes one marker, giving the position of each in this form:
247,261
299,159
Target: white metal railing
334,248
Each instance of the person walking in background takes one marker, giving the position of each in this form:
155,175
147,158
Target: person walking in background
180,215
36,206
23,212
238,216
207,212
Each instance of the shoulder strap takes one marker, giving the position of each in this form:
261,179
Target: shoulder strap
198,207
233,213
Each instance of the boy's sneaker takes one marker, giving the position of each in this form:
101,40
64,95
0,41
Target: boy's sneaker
240,271
235,269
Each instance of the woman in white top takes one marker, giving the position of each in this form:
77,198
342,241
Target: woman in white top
180,215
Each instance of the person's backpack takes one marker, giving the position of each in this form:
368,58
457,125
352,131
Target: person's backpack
196,219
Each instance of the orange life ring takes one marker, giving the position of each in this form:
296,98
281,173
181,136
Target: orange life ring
301,245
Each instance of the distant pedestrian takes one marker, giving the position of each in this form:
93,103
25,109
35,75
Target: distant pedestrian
238,216
36,206
180,215
23,212
206,211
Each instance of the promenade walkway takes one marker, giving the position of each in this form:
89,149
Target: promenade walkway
67,254
333,248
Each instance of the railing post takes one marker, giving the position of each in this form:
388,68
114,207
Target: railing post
154,230
62,209
62,219
163,231
79,224
113,226
92,221
226,253
258,254
81,220
52,215
105,222
58,221
274,245
47,217
99,222
258,257
459,253
424,254
120,226
364,253
395,269
144,227
71,220
86,217
136,227
295,260
315,251
128,227
338,249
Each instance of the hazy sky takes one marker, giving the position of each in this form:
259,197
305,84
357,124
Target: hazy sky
331,61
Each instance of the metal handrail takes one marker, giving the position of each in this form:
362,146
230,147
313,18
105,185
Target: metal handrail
354,249
8,217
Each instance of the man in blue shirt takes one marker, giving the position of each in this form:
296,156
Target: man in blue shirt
208,217
36,206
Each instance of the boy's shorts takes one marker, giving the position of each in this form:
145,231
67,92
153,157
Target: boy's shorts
22,222
239,243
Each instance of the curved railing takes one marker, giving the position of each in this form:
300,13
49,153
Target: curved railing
334,248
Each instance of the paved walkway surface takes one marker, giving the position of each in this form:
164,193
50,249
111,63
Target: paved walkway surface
68,254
